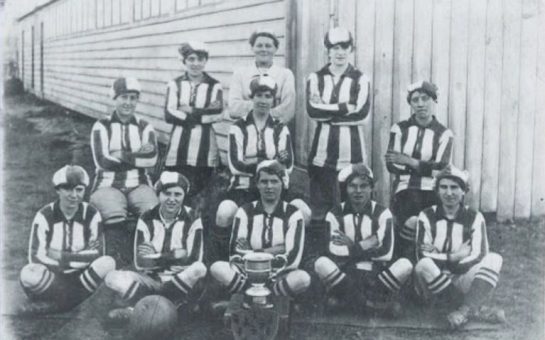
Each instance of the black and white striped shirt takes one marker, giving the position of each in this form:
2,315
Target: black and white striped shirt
447,235
431,145
374,220
338,137
129,171
185,233
192,139
248,146
285,226
51,231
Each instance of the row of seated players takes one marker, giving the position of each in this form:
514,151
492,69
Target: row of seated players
67,261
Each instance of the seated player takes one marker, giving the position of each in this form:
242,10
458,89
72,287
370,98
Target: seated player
454,259
419,147
168,250
123,146
66,252
357,270
252,139
269,225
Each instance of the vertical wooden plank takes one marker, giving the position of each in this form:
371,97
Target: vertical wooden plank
313,23
423,14
509,109
137,10
403,57
440,60
167,6
146,9
492,106
100,13
538,183
347,19
458,79
365,43
475,98
107,13
382,119
116,12
155,8
527,97
126,11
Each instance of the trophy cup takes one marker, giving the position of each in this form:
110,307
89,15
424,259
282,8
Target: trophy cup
257,267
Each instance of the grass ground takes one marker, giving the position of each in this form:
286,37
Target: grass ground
39,138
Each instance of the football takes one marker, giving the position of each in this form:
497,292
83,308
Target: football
154,317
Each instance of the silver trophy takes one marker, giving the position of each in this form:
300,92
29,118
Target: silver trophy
257,267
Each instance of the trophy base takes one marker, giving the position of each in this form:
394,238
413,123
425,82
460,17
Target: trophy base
261,301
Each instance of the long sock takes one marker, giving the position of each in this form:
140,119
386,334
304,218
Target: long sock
478,293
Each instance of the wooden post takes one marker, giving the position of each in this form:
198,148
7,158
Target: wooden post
527,98
382,118
492,108
441,57
509,109
458,79
365,60
423,10
403,57
538,183
475,98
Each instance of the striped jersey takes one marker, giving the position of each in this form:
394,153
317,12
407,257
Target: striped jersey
375,220
338,137
116,146
248,146
51,231
285,226
185,233
447,235
192,139
431,145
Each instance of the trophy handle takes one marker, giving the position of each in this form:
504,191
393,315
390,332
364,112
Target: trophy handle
234,260
285,259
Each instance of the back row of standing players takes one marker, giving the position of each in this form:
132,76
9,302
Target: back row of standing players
369,254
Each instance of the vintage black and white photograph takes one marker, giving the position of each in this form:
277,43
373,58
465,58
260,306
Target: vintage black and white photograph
272,169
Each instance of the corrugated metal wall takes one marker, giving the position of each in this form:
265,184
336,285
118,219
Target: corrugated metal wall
90,43
487,59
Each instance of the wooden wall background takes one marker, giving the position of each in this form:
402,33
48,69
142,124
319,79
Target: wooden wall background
90,43
486,56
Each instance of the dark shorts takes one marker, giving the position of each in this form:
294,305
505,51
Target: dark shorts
411,202
324,191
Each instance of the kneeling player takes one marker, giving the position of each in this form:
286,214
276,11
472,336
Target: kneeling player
66,262
167,250
357,269
453,253
268,225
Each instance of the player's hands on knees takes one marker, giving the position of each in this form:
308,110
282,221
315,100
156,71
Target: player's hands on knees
146,248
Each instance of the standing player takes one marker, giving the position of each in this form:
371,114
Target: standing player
66,249
418,147
194,102
252,139
123,146
264,45
269,225
453,253
357,269
338,100
168,250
